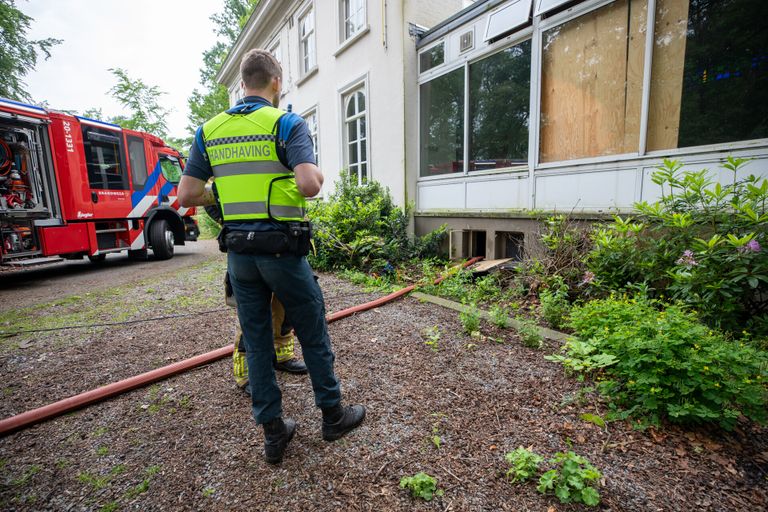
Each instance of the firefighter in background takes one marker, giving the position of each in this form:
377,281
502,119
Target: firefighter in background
285,359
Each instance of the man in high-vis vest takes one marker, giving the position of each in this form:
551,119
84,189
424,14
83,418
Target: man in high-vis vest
263,164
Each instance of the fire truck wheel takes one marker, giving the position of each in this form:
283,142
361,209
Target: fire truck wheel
97,258
161,239
137,254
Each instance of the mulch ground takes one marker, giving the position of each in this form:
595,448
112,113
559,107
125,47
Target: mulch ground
189,442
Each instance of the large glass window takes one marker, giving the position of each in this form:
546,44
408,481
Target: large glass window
355,135
307,41
591,83
352,17
311,120
138,161
499,96
709,82
442,124
104,158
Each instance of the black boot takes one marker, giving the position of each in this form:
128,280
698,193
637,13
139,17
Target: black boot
277,435
339,420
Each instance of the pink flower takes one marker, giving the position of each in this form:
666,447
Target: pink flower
751,246
587,278
687,259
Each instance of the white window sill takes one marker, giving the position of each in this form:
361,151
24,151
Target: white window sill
352,39
309,74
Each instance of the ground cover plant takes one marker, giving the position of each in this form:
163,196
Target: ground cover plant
657,360
421,486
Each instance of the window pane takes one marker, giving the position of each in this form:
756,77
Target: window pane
499,95
591,83
171,168
362,126
363,151
104,159
352,154
442,124
432,57
360,101
709,82
138,161
352,131
364,173
351,110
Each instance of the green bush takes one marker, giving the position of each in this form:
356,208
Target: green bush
529,332
699,244
209,228
470,319
360,227
554,304
660,361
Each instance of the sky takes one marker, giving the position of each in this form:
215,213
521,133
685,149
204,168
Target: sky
160,41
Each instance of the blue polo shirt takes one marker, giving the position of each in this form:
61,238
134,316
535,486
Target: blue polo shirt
297,149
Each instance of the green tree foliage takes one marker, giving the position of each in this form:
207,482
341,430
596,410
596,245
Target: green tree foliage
212,98
143,101
18,55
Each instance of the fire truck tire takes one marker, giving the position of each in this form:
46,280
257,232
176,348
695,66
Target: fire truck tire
97,258
161,239
137,254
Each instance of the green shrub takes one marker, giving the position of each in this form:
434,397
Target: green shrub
701,244
499,316
209,228
660,361
529,332
554,304
470,319
524,464
361,227
571,479
421,486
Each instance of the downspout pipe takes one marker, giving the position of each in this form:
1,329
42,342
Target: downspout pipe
29,418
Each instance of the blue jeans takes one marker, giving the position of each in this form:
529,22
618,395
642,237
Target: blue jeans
255,277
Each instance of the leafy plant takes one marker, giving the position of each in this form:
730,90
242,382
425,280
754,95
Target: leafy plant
529,332
701,244
524,464
433,338
421,486
470,319
658,360
572,479
499,316
361,227
554,303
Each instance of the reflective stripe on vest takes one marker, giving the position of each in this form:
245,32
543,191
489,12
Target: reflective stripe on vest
252,182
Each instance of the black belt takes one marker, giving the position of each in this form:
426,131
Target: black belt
292,238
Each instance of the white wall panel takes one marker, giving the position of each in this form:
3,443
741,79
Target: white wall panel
498,194
441,197
592,191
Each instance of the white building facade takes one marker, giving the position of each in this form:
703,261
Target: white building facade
345,68
568,106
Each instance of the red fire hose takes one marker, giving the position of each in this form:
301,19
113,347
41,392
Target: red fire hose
66,405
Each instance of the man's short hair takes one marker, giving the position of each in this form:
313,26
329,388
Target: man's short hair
258,68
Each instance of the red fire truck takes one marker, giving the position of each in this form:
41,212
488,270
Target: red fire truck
72,187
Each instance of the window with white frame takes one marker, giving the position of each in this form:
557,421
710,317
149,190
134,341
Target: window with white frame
355,134
307,41
352,14
311,119
274,49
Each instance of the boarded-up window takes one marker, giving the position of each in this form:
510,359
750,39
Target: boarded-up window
591,83
442,124
709,81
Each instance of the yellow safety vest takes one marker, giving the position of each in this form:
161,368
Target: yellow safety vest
251,181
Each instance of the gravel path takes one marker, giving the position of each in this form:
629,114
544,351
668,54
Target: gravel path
189,443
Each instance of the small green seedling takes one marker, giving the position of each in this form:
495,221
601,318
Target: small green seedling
524,464
499,316
432,335
529,332
470,320
421,486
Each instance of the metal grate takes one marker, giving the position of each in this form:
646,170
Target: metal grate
466,41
